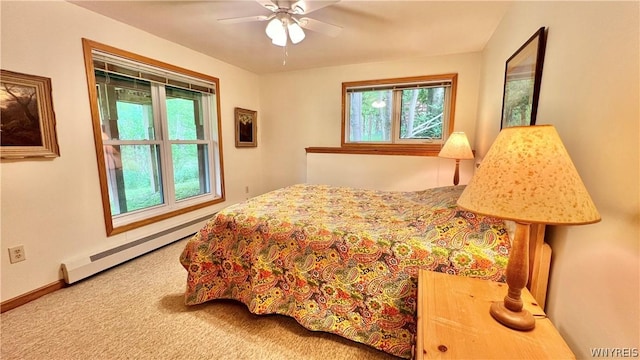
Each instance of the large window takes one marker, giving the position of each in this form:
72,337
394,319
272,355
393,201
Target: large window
402,115
157,137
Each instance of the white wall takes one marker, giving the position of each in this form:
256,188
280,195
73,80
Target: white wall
303,109
53,207
590,94
385,172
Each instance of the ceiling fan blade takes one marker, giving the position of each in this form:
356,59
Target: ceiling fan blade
303,7
243,19
268,4
319,26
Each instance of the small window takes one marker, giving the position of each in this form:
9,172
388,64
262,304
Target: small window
157,137
409,112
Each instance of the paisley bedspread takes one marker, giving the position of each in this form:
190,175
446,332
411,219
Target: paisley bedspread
341,260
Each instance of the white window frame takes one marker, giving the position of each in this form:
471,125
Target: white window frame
449,81
211,127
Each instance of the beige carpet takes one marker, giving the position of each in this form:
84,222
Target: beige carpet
136,311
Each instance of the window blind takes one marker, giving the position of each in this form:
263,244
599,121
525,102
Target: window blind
111,64
414,86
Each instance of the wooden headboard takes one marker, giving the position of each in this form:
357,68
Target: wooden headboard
539,264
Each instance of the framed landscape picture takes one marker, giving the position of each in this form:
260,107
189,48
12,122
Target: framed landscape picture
27,120
523,73
246,127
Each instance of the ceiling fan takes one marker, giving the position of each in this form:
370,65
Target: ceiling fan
286,21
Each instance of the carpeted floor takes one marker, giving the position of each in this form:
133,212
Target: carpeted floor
136,311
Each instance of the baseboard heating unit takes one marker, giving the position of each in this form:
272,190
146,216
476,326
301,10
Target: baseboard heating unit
86,266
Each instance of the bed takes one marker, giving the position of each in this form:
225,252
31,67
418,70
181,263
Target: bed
345,260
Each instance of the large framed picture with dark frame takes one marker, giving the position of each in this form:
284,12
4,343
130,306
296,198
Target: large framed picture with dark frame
522,77
27,119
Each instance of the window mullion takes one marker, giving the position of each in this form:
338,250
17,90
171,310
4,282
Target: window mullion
446,113
347,119
205,103
395,119
208,124
159,103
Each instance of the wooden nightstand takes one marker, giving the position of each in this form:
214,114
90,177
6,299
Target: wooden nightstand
454,323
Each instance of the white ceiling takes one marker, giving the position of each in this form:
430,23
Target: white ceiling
372,30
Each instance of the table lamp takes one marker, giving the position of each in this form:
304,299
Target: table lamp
527,176
457,147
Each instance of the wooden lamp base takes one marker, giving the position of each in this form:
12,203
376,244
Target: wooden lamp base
456,174
510,312
519,320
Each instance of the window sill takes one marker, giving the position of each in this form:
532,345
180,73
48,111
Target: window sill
422,150
114,229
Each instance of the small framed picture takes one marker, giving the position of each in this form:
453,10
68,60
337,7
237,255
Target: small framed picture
522,77
27,120
246,127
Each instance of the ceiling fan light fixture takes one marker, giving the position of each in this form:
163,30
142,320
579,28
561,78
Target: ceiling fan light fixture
280,41
275,29
295,32
284,23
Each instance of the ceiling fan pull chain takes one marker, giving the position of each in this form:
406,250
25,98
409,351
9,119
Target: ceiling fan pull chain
284,55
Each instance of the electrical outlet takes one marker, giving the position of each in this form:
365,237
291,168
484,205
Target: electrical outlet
16,254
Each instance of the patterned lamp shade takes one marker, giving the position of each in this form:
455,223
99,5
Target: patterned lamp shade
528,176
456,147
